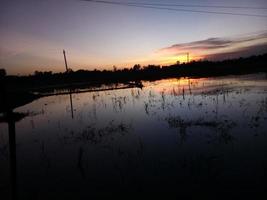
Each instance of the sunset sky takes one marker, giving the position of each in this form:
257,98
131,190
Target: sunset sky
33,33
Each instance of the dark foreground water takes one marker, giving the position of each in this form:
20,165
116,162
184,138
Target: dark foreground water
174,137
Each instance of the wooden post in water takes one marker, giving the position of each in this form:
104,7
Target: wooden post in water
66,64
67,70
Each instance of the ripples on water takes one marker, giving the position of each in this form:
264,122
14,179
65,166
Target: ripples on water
174,136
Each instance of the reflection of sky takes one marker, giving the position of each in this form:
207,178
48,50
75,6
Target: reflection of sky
33,33
49,141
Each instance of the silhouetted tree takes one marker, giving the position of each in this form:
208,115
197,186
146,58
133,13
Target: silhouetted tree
2,72
38,73
136,67
201,68
69,70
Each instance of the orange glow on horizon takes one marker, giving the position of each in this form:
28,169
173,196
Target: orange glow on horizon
173,59
177,85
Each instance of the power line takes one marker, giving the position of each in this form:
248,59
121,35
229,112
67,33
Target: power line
182,5
202,11
174,9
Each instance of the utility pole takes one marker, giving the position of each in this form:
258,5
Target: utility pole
66,64
67,70
187,57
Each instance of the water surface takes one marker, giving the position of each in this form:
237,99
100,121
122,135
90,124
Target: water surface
174,136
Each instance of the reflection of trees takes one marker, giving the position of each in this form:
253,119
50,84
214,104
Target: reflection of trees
135,93
109,139
209,106
259,117
119,103
179,123
96,135
222,127
201,169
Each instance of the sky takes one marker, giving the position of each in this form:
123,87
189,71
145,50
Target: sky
33,33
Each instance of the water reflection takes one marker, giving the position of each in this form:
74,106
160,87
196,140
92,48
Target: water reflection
191,134
11,118
12,156
71,106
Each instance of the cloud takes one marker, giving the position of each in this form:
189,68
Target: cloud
242,52
220,48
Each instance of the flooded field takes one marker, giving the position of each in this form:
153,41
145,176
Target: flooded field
172,137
